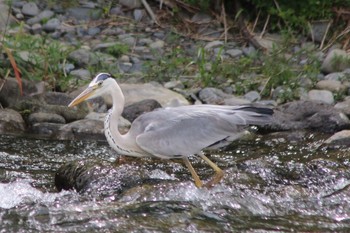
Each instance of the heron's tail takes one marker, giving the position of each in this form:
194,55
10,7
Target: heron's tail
256,115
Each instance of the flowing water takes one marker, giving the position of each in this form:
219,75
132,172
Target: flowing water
284,182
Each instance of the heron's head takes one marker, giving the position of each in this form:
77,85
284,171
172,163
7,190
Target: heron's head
97,87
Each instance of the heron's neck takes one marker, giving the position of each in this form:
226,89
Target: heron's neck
118,102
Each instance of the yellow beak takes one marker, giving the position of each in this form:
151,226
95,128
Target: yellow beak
82,96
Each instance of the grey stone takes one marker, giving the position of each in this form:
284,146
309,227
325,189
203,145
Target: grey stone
318,30
234,52
213,44
137,92
336,76
157,44
331,85
249,51
44,15
341,138
132,111
174,84
131,4
144,41
39,117
336,60
45,128
343,106
210,95
324,96
93,31
4,12
129,40
82,129
82,57
11,122
36,28
51,25
138,14
84,13
124,58
30,9
201,18
56,98
81,74
125,67
252,96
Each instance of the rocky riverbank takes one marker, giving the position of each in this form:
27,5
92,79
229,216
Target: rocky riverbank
127,42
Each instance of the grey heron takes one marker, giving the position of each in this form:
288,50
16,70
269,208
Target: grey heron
174,132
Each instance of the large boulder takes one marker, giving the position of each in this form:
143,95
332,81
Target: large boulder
11,122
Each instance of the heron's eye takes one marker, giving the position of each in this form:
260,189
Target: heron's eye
99,84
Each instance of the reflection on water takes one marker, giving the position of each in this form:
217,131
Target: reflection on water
271,183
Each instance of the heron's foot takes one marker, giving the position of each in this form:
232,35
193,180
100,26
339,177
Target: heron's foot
216,179
121,160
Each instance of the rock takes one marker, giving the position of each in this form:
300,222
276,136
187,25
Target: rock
324,96
210,95
336,60
125,67
336,76
51,25
101,178
127,39
137,92
157,44
201,18
213,44
341,138
144,41
44,15
11,122
343,106
39,117
249,51
138,14
319,29
30,9
132,111
82,57
81,74
131,4
82,129
36,28
93,31
84,13
4,12
57,98
331,85
309,115
234,52
177,84
45,129
10,93
252,96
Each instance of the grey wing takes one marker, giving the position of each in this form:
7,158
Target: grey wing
184,131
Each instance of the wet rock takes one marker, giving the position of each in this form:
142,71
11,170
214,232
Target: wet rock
30,9
10,94
331,85
137,92
341,138
132,111
336,60
11,122
44,15
309,115
82,129
100,177
45,128
39,117
324,96
336,76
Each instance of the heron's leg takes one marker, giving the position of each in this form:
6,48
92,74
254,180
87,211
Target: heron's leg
218,172
196,178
